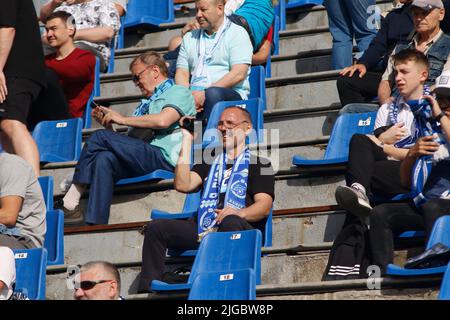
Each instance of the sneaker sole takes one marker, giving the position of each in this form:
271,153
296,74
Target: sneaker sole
349,201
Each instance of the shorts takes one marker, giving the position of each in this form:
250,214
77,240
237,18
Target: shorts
21,93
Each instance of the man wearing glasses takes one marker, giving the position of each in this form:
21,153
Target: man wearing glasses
99,280
153,141
237,190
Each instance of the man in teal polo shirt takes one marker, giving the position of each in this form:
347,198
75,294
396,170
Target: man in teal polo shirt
109,156
214,60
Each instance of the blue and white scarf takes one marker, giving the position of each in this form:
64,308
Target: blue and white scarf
427,126
200,78
394,107
143,108
10,231
235,193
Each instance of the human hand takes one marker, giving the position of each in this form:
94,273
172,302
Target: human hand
186,133
97,114
395,133
110,117
352,69
199,98
435,107
192,25
3,88
222,213
425,146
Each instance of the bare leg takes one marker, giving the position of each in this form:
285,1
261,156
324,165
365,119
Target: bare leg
19,138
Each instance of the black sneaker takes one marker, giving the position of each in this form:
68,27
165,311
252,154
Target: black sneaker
71,217
354,201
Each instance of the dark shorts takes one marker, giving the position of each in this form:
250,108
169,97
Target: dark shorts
21,93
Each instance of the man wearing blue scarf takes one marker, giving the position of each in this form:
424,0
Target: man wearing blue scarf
109,156
237,194
387,219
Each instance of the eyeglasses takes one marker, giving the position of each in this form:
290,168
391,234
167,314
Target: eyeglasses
229,125
87,285
137,77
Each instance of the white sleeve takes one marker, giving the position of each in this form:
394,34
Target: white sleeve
7,271
382,116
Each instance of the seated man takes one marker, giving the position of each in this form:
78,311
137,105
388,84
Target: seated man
251,212
22,207
99,280
97,22
109,156
390,218
359,82
429,39
214,60
75,67
373,166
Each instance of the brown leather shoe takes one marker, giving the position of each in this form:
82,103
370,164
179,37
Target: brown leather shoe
71,217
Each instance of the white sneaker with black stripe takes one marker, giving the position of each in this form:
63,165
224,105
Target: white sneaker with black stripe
353,200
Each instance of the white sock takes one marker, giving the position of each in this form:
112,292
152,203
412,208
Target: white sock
358,186
72,197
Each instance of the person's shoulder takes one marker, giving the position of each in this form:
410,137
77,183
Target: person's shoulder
8,161
6,253
261,162
80,53
179,90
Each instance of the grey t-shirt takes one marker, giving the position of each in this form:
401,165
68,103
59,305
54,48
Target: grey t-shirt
18,179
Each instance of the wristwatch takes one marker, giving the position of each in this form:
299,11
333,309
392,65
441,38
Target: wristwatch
381,145
439,116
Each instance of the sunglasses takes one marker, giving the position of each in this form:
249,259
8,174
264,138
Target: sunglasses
137,77
87,285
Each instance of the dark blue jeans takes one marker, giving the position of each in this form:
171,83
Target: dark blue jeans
108,157
214,95
349,19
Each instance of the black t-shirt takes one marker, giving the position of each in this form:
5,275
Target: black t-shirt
261,179
26,58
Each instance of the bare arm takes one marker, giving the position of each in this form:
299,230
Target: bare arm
384,91
48,8
237,74
261,56
396,153
6,42
182,77
95,35
162,120
10,207
186,180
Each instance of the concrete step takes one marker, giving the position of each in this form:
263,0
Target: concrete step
287,92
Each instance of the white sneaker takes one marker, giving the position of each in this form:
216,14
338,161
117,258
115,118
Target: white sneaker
354,201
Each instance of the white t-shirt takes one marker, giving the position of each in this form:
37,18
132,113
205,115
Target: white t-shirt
404,115
7,272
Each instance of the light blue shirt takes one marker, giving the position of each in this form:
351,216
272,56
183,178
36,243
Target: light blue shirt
234,48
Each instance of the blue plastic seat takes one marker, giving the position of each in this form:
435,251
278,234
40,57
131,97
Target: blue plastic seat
60,140
159,174
31,266
191,204
257,79
148,13
219,285
280,12
439,234
345,127
211,136
276,38
47,191
54,237
222,251
302,3
444,294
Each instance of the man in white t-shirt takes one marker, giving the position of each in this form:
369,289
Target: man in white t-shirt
374,160
7,273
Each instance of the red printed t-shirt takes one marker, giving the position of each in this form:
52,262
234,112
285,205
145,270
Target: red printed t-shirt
76,74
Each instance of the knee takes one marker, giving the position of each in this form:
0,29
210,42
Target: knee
154,229
433,210
358,140
12,127
104,159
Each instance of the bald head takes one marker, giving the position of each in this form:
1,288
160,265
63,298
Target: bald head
102,279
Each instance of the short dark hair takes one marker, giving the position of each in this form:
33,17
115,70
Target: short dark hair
152,57
411,55
108,267
66,17
245,113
